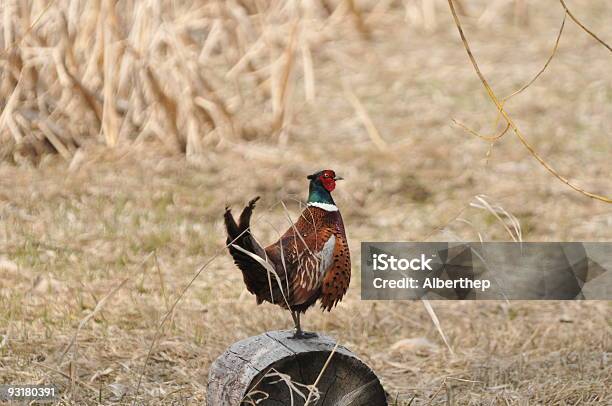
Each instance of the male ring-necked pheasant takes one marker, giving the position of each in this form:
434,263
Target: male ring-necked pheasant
311,260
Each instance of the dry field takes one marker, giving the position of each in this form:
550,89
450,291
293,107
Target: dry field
113,180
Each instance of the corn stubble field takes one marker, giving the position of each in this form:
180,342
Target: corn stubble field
127,126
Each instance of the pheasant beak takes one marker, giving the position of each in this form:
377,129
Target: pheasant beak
338,178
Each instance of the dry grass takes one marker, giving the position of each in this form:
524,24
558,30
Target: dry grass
186,74
103,246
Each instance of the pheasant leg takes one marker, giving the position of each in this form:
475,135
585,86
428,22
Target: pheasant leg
299,334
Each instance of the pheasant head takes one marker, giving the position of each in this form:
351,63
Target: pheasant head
322,184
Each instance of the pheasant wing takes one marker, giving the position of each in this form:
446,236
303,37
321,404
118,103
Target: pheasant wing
309,266
338,276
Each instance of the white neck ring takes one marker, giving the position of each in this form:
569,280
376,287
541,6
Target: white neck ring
324,206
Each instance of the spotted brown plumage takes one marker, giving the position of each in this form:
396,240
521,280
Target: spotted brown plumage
311,260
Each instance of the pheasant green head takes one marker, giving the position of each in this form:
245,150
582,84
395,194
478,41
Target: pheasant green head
322,184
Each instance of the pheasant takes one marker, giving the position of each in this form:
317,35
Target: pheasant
310,262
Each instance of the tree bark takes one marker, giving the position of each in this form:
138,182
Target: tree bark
275,370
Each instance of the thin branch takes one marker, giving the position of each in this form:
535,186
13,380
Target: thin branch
583,27
550,58
489,138
509,120
493,138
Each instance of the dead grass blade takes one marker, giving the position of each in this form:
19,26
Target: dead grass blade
436,322
60,147
70,81
269,268
284,264
9,48
295,230
281,85
67,376
360,23
168,108
110,118
515,233
95,311
73,342
313,395
309,76
367,122
10,104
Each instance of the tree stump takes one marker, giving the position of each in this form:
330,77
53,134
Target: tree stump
275,370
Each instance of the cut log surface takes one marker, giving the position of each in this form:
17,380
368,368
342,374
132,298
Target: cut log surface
274,370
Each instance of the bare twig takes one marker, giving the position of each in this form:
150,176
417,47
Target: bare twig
509,120
494,138
550,58
591,33
484,137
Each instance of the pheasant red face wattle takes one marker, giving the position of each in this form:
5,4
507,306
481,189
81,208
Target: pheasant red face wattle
328,183
328,179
